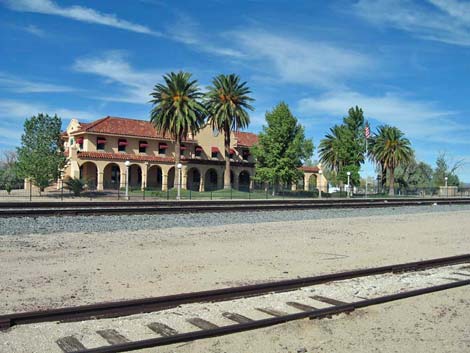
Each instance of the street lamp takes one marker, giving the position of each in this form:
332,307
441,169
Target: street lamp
178,195
127,164
349,184
320,172
446,178
447,190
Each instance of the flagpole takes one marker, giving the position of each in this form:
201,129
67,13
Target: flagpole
366,162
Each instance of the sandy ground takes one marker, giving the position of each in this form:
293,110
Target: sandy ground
40,271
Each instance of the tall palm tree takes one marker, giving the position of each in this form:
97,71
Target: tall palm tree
177,109
329,149
391,149
227,102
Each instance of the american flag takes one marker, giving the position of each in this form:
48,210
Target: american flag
367,131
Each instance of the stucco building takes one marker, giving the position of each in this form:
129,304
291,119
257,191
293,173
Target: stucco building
97,152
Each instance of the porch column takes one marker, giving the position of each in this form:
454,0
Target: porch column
236,180
306,180
145,173
184,178
220,179
294,186
164,181
100,181
201,184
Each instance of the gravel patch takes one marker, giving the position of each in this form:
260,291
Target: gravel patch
111,223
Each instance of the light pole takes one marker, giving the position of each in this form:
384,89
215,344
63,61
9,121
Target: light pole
320,172
127,164
178,194
447,190
349,184
446,178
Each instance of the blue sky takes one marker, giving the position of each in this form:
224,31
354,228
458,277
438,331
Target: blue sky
406,63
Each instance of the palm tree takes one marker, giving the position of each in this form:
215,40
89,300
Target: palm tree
227,103
329,149
177,109
390,149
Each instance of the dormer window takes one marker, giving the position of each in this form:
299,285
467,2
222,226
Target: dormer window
122,144
182,149
198,151
246,155
215,152
143,146
80,142
100,143
162,147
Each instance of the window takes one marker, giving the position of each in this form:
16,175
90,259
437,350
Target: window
182,149
162,147
245,155
100,143
122,143
232,153
198,151
215,152
143,146
80,142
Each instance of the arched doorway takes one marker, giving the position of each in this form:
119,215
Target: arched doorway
244,181
210,180
89,174
111,176
171,178
193,180
155,177
312,182
135,176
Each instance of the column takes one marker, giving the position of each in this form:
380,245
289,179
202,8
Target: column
294,186
306,180
122,176
184,178
164,181
100,181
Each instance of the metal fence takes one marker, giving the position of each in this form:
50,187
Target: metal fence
211,192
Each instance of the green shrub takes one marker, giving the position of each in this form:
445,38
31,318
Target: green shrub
75,185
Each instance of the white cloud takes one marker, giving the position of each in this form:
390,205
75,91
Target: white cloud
297,60
18,85
34,30
77,13
113,67
445,21
14,110
418,119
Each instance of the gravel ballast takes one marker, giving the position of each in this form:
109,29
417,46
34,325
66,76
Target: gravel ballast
111,223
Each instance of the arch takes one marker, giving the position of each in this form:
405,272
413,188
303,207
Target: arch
193,181
155,177
135,176
312,182
171,178
210,180
89,173
244,180
112,176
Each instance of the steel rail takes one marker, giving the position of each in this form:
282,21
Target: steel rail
230,329
212,206
129,307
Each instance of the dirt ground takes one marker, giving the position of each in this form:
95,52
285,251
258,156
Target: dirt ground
43,271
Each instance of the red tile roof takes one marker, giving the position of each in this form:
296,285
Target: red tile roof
309,169
121,126
246,139
123,157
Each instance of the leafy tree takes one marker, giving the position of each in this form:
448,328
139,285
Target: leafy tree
177,108
227,103
41,155
282,148
444,170
414,174
343,148
391,149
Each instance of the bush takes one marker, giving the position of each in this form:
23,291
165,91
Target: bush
75,185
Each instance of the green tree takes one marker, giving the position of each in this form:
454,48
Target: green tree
391,149
177,108
443,170
282,148
41,155
414,174
343,148
228,102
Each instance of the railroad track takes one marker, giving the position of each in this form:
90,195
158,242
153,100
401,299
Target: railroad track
145,323
25,209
